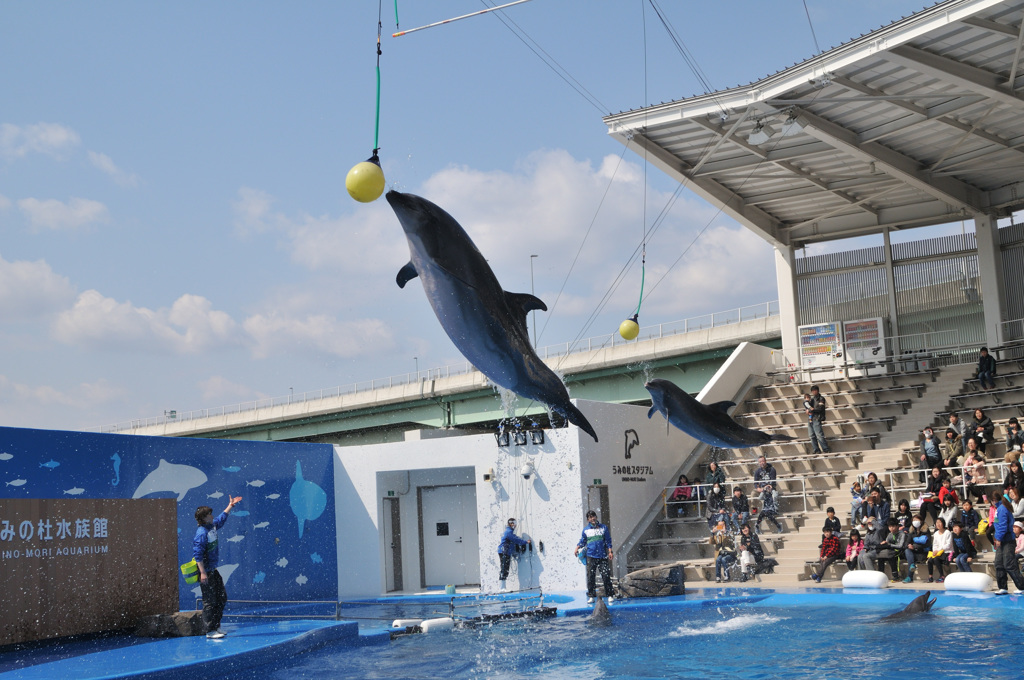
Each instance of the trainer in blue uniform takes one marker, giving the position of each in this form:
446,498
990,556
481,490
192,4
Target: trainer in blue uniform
206,555
508,547
597,541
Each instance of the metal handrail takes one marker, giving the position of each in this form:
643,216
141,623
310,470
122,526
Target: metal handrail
734,483
762,310
999,467
335,603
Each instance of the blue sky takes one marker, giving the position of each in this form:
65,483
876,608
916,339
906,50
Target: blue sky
174,227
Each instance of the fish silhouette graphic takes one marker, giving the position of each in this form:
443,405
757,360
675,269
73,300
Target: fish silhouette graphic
50,464
307,499
171,477
76,491
117,470
5,456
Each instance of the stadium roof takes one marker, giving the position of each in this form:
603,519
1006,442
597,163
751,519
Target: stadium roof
919,122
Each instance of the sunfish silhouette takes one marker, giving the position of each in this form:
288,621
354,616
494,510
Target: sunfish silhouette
710,424
171,477
307,499
486,323
918,605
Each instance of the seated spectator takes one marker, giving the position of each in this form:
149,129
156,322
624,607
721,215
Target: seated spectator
751,552
947,490
715,475
717,511
853,548
930,454
740,509
680,497
832,522
1018,532
769,511
1014,435
891,547
869,509
873,537
725,552
856,501
959,427
1014,477
982,428
986,369
930,496
942,544
1016,502
950,512
969,517
964,551
954,448
884,500
975,475
903,515
917,546
829,553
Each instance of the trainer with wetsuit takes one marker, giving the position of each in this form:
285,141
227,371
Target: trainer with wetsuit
596,540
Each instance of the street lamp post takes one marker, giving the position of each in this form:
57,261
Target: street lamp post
417,360
534,293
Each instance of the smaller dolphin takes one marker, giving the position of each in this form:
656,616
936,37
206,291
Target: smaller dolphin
50,464
918,605
710,423
600,616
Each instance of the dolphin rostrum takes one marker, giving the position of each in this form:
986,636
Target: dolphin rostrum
600,616
710,424
918,605
486,323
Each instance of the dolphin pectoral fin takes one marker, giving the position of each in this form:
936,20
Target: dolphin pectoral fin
406,274
522,304
650,414
722,406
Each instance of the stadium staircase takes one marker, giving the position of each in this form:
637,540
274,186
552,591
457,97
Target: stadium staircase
874,425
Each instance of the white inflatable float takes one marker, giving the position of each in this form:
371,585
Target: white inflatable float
971,581
865,579
405,623
437,625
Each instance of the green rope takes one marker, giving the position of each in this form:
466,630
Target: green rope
643,275
376,126
396,15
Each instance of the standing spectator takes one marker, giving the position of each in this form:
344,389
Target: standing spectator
1006,543
508,547
890,549
982,429
740,509
942,543
853,548
931,455
717,511
986,370
953,450
1014,477
883,500
764,480
715,475
596,542
680,496
1014,436
816,418
930,502
751,552
829,554
917,546
964,551
856,503
903,515
725,552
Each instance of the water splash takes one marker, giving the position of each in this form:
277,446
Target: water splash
742,622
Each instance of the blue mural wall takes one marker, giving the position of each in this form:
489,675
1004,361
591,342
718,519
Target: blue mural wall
278,543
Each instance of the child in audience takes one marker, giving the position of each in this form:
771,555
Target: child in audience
856,503
831,522
950,512
942,543
974,473
964,551
829,554
853,548
948,490
903,515
969,517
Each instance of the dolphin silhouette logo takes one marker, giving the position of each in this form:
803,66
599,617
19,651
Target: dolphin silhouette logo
632,439
171,477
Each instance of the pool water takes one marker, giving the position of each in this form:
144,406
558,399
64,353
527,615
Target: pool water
798,636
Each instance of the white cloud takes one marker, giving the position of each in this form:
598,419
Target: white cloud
83,396
219,389
51,139
31,289
5,202
322,334
189,326
105,164
53,214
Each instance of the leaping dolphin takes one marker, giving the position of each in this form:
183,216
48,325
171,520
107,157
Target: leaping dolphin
918,605
710,424
487,324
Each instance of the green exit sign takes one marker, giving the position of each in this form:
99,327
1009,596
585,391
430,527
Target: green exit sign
391,493
597,482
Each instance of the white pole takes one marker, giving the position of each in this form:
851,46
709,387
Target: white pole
464,16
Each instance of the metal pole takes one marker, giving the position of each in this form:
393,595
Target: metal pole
534,293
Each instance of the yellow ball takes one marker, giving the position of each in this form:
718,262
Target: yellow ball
365,182
629,329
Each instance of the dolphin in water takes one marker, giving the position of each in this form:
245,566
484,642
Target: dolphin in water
918,605
600,616
486,323
711,423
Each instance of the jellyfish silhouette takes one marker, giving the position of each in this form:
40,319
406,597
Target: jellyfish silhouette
307,499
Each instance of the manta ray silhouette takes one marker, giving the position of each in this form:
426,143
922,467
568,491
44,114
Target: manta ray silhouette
307,499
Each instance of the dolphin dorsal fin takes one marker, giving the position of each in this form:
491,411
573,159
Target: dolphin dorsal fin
722,406
406,274
522,304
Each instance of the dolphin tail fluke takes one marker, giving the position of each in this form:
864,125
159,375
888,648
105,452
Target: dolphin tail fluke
577,418
781,438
